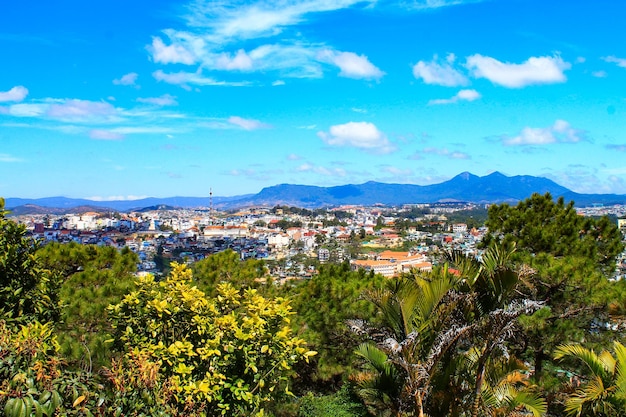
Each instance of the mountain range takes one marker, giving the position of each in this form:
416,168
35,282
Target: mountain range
465,187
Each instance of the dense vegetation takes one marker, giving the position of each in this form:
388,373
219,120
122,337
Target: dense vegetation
532,327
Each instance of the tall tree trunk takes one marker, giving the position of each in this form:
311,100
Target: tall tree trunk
420,405
539,357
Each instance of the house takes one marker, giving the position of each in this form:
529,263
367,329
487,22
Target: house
385,268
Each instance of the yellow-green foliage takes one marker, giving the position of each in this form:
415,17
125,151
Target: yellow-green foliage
191,355
33,380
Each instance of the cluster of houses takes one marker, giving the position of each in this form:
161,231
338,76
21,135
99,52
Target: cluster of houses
191,235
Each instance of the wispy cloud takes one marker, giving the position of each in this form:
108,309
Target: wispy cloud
395,171
321,170
535,70
463,95
362,135
127,79
117,197
17,93
9,158
216,31
559,132
82,111
616,147
621,62
100,134
185,79
445,153
439,72
435,4
247,124
229,20
164,100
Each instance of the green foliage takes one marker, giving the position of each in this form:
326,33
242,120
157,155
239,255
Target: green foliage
28,291
323,304
94,277
569,259
191,355
430,321
34,381
602,391
340,404
227,266
541,225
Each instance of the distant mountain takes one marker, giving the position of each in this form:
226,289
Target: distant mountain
465,187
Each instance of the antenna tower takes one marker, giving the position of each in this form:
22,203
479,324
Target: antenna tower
211,206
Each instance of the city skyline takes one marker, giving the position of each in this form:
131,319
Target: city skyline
120,101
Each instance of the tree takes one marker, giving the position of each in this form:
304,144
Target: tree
419,326
93,278
430,321
28,290
189,354
324,304
541,225
34,379
569,258
227,266
603,376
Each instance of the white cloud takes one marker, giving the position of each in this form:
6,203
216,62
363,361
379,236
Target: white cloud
351,64
435,4
81,110
100,134
164,100
463,95
127,79
4,157
142,130
247,124
27,109
621,62
241,61
446,153
560,131
329,172
535,70
363,135
17,93
278,83
215,27
599,74
184,79
437,73
117,197
395,171
229,20
172,54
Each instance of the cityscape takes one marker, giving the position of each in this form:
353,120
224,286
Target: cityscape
386,240
313,208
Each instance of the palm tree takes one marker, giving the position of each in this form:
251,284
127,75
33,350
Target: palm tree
492,282
429,320
379,384
420,323
506,389
603,392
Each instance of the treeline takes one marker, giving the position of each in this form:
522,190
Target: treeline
532,327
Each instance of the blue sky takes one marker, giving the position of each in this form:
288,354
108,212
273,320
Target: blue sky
122,100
